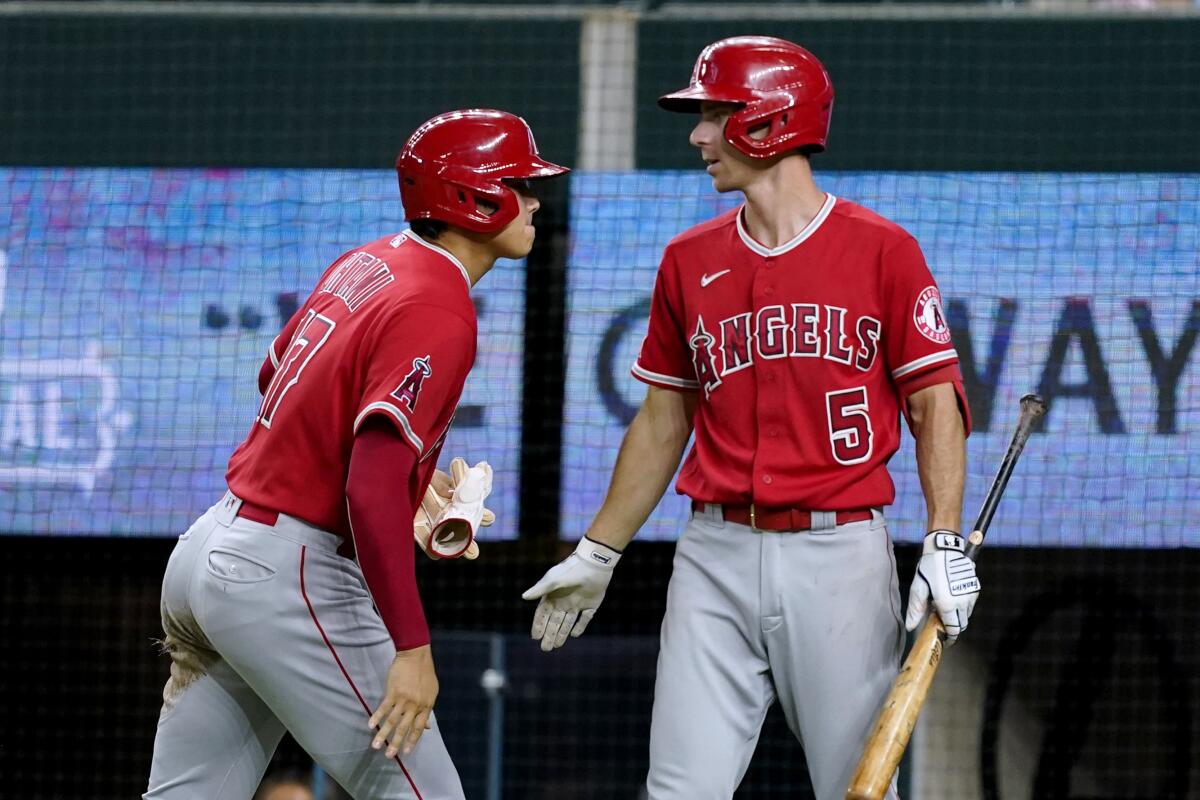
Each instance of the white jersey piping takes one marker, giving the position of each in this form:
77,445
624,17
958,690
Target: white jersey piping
799,238
400,418
447,254
924,361
654,377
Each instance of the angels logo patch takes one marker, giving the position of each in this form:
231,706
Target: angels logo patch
409,390
928,316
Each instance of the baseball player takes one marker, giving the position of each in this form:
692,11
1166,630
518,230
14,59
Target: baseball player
270,621
788,335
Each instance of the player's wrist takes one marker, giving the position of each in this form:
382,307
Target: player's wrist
597,553
416,648
943,539
614,537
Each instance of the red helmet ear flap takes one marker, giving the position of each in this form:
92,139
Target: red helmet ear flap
791,125
771,112
462,191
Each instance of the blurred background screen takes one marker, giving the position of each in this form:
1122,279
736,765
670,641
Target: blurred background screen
1082,287
138,305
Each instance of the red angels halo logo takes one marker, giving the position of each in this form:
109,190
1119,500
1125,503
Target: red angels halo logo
928,316
409,390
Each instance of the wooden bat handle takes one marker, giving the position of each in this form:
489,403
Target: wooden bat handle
898,716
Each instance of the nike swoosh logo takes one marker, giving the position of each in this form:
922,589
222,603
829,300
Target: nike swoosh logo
706,279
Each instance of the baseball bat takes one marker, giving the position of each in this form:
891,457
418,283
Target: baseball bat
898,716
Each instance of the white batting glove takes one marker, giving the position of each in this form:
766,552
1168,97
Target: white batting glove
570,593
948,576
441,523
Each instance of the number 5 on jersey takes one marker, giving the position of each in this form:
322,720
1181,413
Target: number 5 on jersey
850,433
309,337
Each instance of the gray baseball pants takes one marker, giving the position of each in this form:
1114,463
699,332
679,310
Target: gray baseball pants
811,618
269,629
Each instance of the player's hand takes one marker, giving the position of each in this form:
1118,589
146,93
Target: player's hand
570,592
434,505
403,715
948,576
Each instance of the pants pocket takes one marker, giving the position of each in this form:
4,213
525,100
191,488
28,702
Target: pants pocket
230,566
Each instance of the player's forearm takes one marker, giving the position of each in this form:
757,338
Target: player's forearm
381,516
937,426
648,458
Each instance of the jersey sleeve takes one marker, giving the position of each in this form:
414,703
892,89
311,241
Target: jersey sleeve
917,346
415,373
665,359
380,511
916,335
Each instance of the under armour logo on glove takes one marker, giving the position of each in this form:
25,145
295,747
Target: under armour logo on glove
947,576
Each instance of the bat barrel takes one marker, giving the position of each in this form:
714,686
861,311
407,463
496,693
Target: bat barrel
898,716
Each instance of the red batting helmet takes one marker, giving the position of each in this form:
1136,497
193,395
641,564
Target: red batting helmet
778,84
459,158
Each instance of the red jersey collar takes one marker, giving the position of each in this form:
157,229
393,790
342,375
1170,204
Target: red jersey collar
808,231
444,253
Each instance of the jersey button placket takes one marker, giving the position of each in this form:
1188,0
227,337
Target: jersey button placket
764,290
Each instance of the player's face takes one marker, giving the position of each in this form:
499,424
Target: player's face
516,239
730,169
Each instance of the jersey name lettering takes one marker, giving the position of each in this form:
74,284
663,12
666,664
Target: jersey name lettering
735,343
357,279
801,330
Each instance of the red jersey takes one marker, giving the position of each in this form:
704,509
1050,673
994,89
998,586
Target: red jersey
389,330
802,354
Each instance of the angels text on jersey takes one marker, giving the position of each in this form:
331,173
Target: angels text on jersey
798,330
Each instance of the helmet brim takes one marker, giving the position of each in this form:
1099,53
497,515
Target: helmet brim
687,101
540,168
530,169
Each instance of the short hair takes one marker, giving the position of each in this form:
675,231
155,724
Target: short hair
428,228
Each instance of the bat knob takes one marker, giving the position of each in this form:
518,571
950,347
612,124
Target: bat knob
1033,405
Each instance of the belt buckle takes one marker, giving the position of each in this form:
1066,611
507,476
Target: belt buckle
753,521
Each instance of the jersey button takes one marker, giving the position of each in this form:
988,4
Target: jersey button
767,479
773,432
770,290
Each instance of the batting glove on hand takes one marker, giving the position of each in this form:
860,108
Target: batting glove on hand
949,577
452,511
570,593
